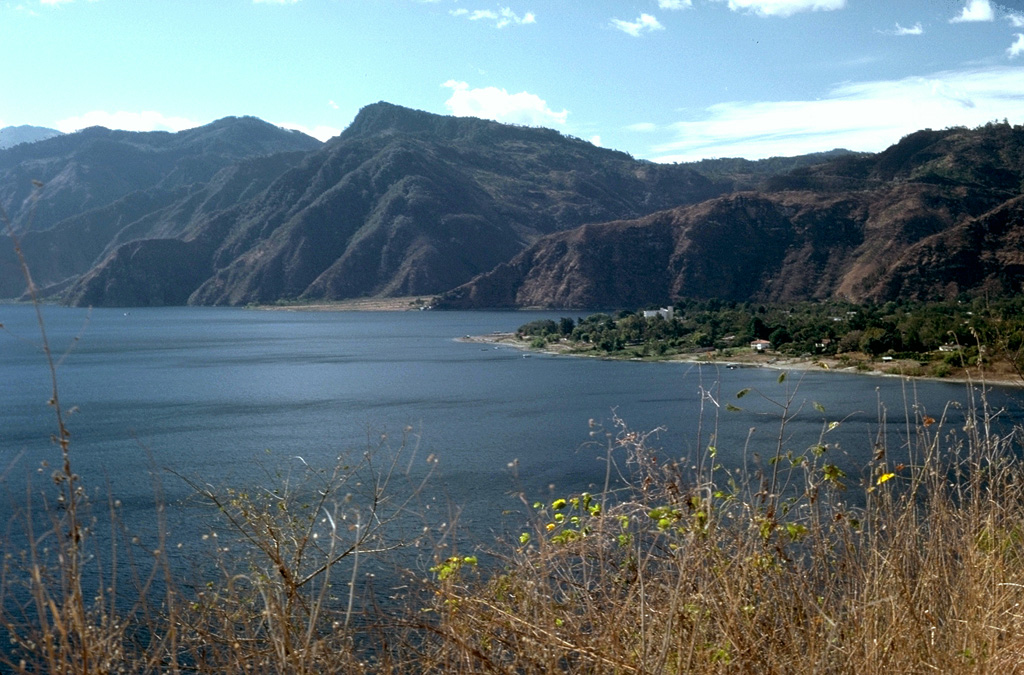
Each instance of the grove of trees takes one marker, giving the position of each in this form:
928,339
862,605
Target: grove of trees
968,328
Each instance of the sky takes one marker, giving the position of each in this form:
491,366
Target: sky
664,80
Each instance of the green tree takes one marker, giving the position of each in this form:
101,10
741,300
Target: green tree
875,341
759,329
780,336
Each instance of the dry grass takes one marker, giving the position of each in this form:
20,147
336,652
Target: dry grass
716,571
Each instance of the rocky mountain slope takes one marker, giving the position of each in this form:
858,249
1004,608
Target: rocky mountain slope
938,214
401,203
490,215
101,187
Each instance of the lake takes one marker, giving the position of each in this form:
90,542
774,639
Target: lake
219,394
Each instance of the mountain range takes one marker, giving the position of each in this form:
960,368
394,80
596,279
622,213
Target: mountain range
483,214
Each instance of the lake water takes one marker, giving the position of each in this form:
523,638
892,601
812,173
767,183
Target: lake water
206,392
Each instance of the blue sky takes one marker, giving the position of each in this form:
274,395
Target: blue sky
665,80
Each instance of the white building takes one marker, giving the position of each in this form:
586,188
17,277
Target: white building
665,313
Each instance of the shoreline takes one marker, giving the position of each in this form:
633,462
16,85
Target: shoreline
409,303
752,360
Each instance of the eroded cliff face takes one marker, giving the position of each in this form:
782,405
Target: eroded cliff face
983,254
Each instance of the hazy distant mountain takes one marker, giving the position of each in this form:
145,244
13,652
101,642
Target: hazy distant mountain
938,214
101,187
93,167
747,174
11,136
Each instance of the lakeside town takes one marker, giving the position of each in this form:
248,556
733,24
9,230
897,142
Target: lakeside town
943,340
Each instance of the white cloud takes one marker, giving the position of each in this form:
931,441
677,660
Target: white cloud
501,18
1017,48
916,29
596,141
54,2
976,10
643,127
332,104
642,23
674,4
510,17
321,132
784,8
866,116
501,106
1017,20
146,120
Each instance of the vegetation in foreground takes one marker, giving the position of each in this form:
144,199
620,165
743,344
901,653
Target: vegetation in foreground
936,339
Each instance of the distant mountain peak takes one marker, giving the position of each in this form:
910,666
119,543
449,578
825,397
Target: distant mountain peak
11,136
382,118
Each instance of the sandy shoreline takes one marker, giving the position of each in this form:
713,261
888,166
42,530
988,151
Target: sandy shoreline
773,361
404,304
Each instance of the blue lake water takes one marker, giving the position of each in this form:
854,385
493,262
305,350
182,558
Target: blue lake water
205,392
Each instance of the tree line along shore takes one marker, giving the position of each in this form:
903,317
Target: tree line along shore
948,339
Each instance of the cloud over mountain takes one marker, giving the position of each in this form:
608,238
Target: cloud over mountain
499,105
863,115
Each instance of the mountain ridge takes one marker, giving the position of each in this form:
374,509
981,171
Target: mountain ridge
858,228
408,203
484,214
